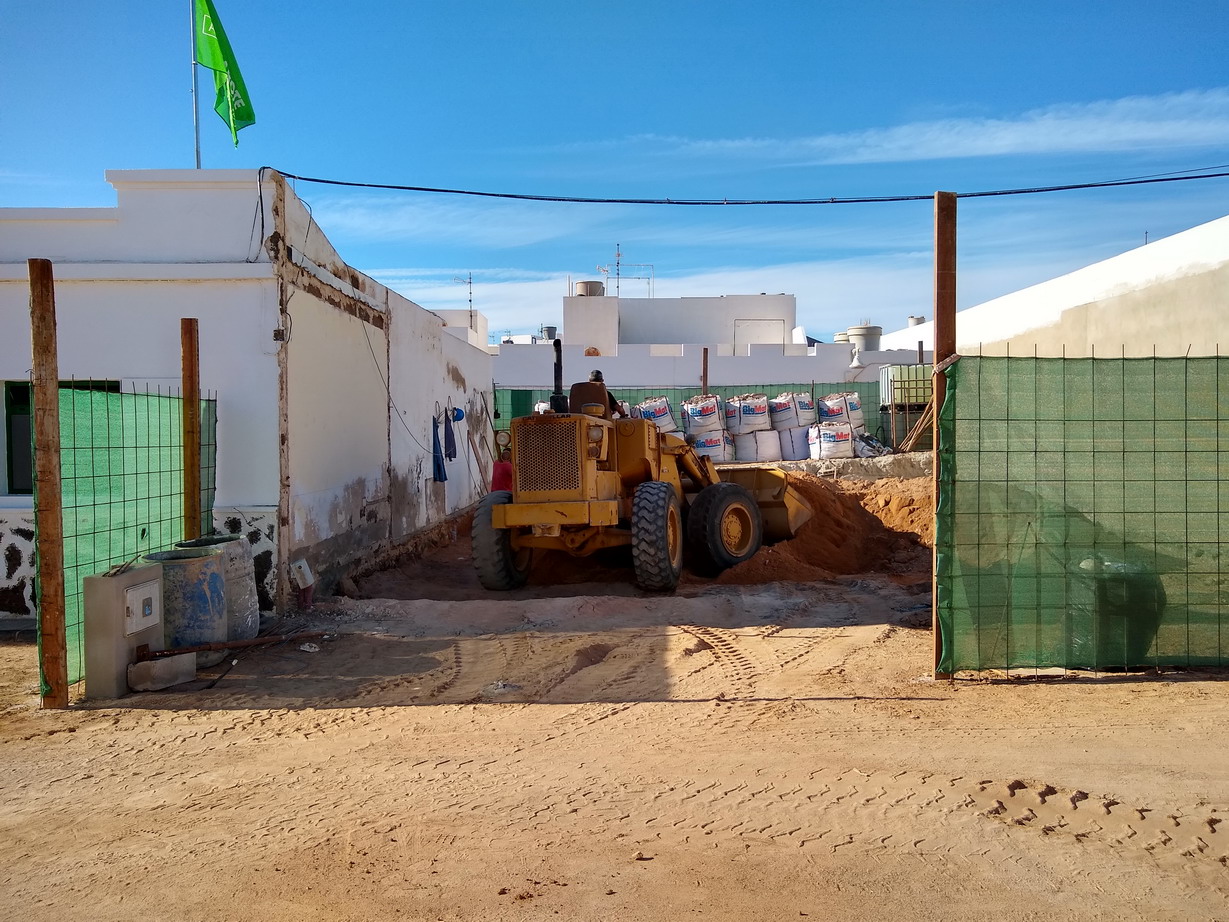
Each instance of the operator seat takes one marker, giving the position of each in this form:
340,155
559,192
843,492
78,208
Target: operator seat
590,398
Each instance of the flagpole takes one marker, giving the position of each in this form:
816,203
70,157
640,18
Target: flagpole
196,118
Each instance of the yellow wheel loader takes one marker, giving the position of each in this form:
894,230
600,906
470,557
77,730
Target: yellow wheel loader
583,481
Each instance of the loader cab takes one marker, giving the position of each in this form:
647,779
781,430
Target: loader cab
590,398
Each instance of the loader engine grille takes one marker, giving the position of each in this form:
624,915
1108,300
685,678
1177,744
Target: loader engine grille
547,457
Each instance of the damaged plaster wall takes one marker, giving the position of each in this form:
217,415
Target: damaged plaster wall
360,351
337,425
433,373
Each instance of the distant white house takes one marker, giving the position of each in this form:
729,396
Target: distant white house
1168,298
660,342
327,382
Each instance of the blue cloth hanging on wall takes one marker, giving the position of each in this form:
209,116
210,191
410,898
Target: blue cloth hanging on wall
438,471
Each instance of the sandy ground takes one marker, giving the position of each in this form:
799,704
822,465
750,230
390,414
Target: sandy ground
751,748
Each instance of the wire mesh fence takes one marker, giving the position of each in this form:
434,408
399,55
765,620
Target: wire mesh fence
121,469
1084,514
513,402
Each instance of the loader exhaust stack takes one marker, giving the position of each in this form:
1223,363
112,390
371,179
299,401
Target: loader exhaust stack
559,400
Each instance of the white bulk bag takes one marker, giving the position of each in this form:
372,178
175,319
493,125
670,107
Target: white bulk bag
783,412
768,445
805,406
844,408
789,410
747,413
703,413
658,410
835,440
717,445
794,443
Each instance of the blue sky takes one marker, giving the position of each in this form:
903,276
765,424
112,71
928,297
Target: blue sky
673,98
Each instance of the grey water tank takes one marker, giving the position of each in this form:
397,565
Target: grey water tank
865,337
549,332
916,321
590,289
193,599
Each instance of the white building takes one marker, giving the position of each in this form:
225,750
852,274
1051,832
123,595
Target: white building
660,342
326,381
1167,298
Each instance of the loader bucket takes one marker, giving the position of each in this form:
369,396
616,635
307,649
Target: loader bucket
783,509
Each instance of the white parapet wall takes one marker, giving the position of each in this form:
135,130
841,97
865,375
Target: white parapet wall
1167,297
681,365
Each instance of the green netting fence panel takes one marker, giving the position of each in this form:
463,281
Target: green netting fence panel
121,469
1084,514
513,402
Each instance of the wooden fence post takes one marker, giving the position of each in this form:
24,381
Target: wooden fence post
52,631
190,347
944,347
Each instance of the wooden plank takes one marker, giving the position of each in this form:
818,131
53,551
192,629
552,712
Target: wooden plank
53,643
190,349
944,347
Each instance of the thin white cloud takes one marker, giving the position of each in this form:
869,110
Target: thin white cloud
1170,121
436,220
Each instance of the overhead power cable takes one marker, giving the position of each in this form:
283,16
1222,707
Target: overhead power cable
833,200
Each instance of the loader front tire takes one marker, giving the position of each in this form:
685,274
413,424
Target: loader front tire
500,566
657,536
724,528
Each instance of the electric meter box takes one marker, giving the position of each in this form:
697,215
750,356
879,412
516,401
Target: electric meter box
122,612
142,606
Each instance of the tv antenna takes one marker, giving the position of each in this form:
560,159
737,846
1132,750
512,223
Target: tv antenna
618,272
468,280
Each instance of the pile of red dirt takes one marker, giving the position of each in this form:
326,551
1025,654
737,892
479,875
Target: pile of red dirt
905,506
856,528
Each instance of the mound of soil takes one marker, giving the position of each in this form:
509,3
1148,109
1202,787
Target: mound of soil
904,506
841,537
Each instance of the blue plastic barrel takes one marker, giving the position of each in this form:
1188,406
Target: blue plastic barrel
242,602
193,599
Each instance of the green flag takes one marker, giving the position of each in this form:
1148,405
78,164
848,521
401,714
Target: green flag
214,51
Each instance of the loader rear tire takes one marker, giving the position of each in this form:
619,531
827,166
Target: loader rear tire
724,528
657,536
500,566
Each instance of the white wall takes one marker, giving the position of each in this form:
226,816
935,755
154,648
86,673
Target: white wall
120,320
432,371
1170,294
177,244
186,243
337,422
467,326
646,366
591,323
606,321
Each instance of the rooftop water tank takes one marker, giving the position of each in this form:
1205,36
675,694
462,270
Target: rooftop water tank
549,332
590,289
841,337
916,321
865,337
